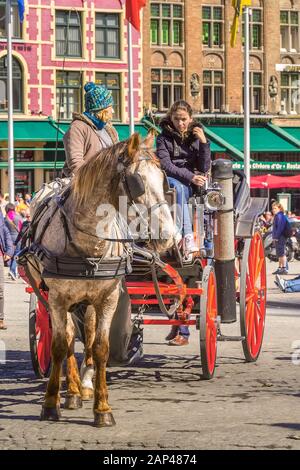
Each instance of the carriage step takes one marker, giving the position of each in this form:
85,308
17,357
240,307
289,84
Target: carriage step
230,338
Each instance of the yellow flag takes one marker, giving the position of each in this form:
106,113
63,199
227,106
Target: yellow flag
238,6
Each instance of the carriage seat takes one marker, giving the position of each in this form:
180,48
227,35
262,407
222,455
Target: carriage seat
241,192
247,209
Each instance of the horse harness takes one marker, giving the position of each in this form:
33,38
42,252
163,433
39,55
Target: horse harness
81,266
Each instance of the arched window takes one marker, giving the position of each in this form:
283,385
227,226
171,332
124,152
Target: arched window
17,86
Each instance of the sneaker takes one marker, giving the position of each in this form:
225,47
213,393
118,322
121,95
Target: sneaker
179,340
189,244
12,276
173,333
281,283
280,271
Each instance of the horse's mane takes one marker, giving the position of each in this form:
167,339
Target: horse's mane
94,169
100,167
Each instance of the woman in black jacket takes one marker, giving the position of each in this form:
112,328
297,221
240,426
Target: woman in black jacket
184,154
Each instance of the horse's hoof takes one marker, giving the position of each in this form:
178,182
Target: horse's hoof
104,420
73,402
50,414
87,393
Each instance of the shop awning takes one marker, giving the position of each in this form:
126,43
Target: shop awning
46,131
33,131
262,139
224,139
272,181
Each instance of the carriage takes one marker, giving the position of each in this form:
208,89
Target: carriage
226,275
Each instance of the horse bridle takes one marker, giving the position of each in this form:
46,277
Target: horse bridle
129,180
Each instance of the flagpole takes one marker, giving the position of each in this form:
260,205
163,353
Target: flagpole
247,97
10,123
130,79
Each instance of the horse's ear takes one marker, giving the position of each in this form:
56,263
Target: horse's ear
134,144
149,140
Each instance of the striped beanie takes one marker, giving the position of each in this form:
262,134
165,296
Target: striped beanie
97,97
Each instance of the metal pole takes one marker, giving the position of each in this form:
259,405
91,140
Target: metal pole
130,79
247,98
10,123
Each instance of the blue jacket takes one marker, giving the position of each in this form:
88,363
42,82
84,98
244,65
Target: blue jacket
279,225
6,243
181,157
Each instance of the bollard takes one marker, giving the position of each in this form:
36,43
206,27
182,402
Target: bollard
224,243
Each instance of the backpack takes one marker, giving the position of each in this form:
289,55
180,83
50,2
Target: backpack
288,231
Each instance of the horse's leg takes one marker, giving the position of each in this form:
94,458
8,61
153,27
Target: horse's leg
59,347
104,311
87,369
73,398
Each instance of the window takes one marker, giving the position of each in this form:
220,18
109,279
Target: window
289,30
16,25
255,29
17,86
107,35
68,94
290,84
166,87
212,26
256,92
112,82
166,24
68,34
213,87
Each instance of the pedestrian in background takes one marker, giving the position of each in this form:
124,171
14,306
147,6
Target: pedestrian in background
279,236
13,222
292,285
6,253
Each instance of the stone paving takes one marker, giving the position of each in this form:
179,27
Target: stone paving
162,403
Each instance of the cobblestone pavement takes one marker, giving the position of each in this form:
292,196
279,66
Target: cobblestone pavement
162,403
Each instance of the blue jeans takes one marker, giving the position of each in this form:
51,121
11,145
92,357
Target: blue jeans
13,264
184,331
293,285
183,193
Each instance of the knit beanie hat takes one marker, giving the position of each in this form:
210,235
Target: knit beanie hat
97,97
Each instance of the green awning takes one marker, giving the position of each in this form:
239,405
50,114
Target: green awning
224,139
46,131
262,139
32,131
294,131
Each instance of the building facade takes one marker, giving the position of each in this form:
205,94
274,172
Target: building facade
187,44
60,46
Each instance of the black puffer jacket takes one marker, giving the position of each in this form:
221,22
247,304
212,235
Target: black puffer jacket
180,157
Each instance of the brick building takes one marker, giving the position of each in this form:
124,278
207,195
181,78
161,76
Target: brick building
61,45
187,44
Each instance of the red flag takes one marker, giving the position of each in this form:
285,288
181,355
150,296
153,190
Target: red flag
133,8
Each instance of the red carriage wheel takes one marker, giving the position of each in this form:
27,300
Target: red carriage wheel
40,335
208,322
253,290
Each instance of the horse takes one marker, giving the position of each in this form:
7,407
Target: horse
72,230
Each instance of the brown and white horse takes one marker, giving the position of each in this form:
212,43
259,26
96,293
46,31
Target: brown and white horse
98,182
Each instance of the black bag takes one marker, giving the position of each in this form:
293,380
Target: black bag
288,231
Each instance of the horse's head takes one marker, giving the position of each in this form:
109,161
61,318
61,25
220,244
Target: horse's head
143,185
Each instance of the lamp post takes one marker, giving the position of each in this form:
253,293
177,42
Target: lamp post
10,123
247,96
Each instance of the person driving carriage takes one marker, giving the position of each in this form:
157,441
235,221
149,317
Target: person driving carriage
185,156
91,131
